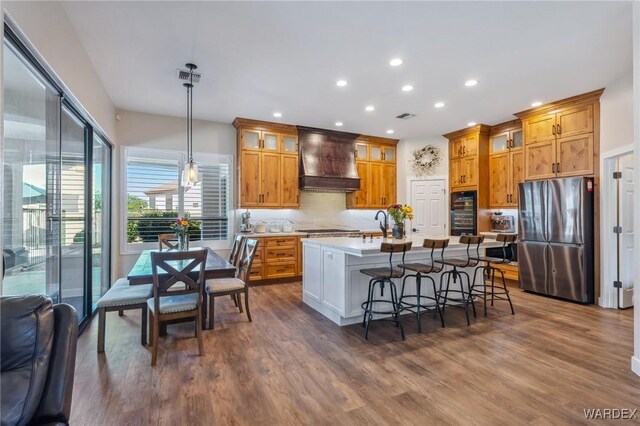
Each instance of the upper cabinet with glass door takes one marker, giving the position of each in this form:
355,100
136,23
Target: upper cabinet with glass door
386,153
506,137
259,140
290,144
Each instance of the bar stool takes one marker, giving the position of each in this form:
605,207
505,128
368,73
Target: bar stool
454,273
415,304
380,276
507,240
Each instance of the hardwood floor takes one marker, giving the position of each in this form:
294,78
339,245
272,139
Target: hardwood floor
542,366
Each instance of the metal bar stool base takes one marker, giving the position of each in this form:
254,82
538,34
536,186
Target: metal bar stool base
395,311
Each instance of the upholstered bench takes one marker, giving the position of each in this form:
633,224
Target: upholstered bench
123,296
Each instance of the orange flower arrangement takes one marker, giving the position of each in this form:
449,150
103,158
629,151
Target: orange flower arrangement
181,226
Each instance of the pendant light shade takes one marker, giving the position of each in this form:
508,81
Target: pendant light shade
190,173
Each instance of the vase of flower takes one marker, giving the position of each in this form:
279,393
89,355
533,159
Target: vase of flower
181,228
398,230
182,241
399,213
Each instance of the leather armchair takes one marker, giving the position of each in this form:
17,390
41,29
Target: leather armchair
37,356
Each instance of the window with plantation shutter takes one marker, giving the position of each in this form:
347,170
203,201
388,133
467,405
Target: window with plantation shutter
155,197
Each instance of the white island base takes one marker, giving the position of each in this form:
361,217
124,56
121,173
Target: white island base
333,285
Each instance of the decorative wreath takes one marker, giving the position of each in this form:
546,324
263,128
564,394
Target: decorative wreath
425,160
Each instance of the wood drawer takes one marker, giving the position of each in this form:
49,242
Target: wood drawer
256,271
280,270
278,254
510,272
280,241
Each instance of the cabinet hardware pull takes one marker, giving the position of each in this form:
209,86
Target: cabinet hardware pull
507,198
553,168
464,149
557,167
559,129
553,129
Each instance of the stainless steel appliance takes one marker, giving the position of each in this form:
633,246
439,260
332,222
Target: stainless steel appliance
464,213
555,250
502,223
330,232
246,225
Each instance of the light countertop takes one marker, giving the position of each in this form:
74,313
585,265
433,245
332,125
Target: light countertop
356,247
273,234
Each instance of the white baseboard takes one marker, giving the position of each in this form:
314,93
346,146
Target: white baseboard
635,365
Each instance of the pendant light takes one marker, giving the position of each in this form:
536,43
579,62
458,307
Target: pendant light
190,174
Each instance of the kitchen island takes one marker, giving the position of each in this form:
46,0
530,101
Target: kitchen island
333,285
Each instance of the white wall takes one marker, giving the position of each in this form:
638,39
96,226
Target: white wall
635,362
405,174
48,28
616,114
136,129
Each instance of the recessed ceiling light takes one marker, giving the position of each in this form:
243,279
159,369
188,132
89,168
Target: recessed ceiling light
341,83
536,104
395,62
277,114
339,123
471,123
407,88
369,108
470,83
390,131
438,104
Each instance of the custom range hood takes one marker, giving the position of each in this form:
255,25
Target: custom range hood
327,160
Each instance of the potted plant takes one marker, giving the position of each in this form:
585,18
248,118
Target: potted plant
399,213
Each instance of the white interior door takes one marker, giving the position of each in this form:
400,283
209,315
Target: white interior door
625,165
428,199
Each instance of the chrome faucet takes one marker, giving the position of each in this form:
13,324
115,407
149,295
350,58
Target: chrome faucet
384,227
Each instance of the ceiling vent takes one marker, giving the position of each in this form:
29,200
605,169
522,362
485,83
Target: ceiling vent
183,75
405,116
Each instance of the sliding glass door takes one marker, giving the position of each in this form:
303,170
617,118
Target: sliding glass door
31,227
73,219
57,193
100,218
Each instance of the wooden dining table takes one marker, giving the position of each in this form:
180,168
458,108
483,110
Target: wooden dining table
215,267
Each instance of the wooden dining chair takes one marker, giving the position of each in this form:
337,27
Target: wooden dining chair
186,269
232,286
234,259
166,240
236,249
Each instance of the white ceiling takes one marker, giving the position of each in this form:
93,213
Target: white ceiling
258,58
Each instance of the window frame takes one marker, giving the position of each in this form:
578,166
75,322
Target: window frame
127,248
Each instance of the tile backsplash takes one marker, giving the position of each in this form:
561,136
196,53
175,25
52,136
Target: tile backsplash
317,210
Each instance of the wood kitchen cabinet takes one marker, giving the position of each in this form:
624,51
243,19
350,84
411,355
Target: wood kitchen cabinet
376,167
268,164
469,167
562,139
468,148
506,164
278,257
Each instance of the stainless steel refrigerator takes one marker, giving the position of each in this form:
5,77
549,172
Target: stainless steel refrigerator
555,250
